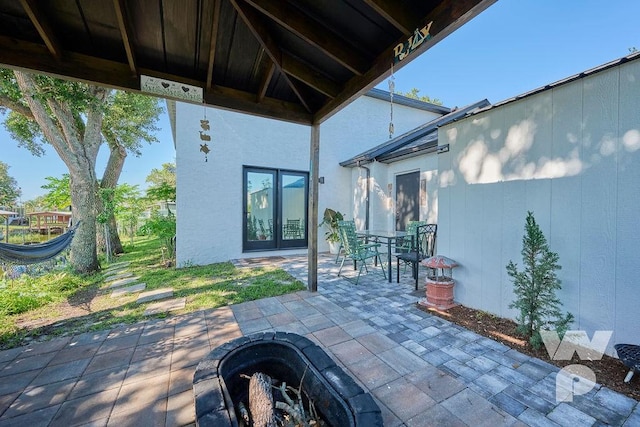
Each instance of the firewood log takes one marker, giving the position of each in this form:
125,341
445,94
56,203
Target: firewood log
261,401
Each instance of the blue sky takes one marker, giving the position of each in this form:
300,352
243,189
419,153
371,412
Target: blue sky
512,47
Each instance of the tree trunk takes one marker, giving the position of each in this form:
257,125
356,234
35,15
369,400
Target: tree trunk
84,258
77,141
110,177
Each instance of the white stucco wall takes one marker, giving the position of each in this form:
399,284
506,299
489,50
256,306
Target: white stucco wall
360,126
210,195
383,189
572,156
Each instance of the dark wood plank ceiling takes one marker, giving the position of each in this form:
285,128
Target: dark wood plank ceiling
296,60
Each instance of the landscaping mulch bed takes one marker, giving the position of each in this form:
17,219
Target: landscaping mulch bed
610,372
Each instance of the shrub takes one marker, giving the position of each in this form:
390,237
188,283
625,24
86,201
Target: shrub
535,287
163,227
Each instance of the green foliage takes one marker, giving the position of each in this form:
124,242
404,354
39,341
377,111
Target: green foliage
9,190
107,196
129,206
59,194
415,94
163,183
535,287
130,120
74,97
163,227
27,293
166,175
330,219
163,192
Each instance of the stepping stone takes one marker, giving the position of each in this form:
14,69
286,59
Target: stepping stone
115,271
118,276
118,264
154,295
128,290
122,282
164,306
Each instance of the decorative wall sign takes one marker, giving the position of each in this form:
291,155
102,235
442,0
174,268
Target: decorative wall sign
392,87
170,89
420,35
204,136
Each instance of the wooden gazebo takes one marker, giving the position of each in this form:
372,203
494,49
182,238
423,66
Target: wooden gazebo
294,60
49,222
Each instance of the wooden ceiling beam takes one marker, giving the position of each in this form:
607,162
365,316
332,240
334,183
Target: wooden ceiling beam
313,33
34,58
252,21
395,13
215,27
266,79
445,19
42,26
236,100
309,76
126,33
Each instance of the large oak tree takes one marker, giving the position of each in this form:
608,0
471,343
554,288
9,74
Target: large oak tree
76,119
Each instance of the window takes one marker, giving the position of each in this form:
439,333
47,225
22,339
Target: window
275,209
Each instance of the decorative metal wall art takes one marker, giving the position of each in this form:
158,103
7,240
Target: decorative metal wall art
204,136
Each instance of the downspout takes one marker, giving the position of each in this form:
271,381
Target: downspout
367,192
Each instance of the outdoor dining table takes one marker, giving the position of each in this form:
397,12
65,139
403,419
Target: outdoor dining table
383,236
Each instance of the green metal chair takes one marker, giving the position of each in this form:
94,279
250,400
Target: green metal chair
356,250
422,244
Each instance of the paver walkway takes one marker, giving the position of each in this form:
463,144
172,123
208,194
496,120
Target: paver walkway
422,370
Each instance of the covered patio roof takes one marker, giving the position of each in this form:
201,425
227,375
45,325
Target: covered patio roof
299,61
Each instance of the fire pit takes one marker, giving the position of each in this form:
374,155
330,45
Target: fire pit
219,382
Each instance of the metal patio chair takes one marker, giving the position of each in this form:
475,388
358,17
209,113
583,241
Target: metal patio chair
422,245
356,250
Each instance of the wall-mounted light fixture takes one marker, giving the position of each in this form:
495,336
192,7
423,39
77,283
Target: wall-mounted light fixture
443,148
321,180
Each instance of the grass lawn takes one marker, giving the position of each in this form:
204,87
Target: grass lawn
63,303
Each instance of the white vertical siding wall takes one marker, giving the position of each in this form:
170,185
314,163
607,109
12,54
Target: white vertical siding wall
572,156
209,193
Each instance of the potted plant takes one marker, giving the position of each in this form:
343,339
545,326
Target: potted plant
330,220
439,286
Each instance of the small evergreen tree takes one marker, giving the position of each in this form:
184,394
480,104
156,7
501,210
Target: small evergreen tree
535,287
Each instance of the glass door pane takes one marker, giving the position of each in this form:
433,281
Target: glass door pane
259,209
294,208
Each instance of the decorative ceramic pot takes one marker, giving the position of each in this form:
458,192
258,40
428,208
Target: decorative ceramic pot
440,292
439,287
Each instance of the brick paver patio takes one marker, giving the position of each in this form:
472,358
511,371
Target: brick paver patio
420,369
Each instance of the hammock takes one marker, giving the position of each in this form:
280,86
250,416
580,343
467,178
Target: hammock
33,254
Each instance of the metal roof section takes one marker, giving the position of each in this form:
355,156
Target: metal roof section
409,102
413,141
631,57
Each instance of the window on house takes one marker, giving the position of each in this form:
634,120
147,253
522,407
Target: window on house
275,209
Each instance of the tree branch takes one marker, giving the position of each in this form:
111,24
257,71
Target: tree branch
16,107
49,129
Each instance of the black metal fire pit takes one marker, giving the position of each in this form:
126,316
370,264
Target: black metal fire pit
218,385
